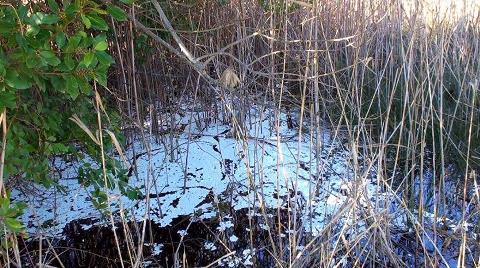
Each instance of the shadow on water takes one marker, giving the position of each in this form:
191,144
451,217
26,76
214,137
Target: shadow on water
245,239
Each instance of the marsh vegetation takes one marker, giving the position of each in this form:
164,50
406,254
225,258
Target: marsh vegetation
239,133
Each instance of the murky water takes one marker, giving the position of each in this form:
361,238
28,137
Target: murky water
244,236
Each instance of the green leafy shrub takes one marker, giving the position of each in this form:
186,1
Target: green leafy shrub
50,56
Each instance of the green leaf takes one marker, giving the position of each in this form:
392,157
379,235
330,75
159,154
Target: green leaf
58,82
47,54
50,58
70,9
53,61
101,78
59,148
7,26
14,81
72,86
4,204
73,43
88,59
50,19
128,2
133,194
100,11
101,46
21,41
3,71
60,39
37,18
13,224
82,34
84,86
41,18
7,100
86,21
71,81
23,12
117,13
53,6
32,30
104,58
97,22
69,63
19,207
40,82
99,38
33,61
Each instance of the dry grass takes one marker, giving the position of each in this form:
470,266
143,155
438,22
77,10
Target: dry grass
399,78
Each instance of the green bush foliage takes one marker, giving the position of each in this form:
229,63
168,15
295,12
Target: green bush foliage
51,55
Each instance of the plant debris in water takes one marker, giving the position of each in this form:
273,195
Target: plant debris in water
228,199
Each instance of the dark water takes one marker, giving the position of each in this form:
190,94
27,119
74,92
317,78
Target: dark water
97,247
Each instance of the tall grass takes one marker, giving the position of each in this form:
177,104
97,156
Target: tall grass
399,79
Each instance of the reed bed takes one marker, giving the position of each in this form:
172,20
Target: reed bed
399,79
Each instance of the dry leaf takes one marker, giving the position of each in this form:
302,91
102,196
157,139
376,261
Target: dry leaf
79,122
1,117
118,147
229,79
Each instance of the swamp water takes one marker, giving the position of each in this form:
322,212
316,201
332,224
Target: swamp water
221,201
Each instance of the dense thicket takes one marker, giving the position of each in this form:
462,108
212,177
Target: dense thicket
401,78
